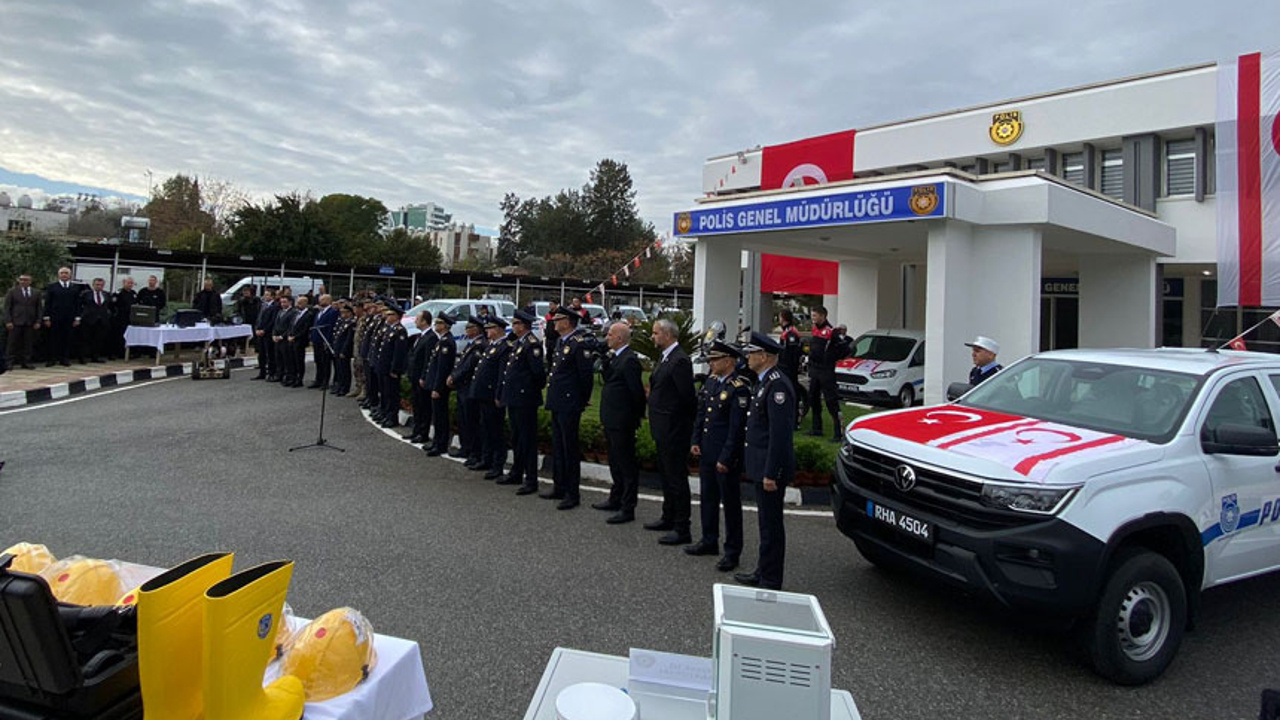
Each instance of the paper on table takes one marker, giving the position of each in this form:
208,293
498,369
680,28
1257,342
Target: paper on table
670,669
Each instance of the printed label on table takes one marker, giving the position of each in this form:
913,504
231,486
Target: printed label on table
671,669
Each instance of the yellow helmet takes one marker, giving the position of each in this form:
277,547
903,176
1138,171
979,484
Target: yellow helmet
83,581
332,654
29,558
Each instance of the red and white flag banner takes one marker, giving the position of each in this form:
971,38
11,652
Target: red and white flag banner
1248,195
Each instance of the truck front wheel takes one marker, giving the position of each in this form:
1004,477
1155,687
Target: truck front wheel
1137,626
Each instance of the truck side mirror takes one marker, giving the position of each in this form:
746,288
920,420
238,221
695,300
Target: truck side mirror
1237,439
955,390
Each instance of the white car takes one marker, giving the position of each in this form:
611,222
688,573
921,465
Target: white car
1109,487
460,309
887,368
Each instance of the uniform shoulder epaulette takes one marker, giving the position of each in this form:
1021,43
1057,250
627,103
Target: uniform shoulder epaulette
738,382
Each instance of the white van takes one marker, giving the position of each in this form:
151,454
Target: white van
887,368
460,309
300,286
84,273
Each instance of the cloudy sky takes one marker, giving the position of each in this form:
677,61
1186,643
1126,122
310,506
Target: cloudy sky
459,102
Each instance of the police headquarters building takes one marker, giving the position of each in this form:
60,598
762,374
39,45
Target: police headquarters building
1079,218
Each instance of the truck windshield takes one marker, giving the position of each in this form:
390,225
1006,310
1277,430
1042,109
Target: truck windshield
1131,401
883,347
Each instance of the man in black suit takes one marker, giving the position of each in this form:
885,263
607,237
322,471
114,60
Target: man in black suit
321,339
569,386
672,404
717,443
520,392
770,457
209,303
284,368
439,368
122,302
622,405
21,315
299,334
94,316
262,332
61,306
484,393
419,396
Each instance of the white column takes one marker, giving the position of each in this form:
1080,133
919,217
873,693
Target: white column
1117,301
856,305
946,360
717,280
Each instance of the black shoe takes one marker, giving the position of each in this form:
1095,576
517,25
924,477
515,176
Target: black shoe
312,386
389,424
469,464
510,481
567,504
751,579
415,439
606,505
456,454
494,474
727,563
620,517
258,377
675,537
553,495
97,360
433,452
524,489
660,525
702,548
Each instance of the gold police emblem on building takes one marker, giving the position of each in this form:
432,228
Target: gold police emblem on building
1006,127
924,199
684,223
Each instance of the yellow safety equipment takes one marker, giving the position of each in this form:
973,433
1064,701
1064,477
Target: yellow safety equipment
332,654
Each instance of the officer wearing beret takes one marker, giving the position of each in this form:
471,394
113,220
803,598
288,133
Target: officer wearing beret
392,359
568,391
484,393
439,368
520,392
770,456
460,381
717,443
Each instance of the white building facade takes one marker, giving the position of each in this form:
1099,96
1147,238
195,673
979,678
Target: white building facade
460,242
1084,217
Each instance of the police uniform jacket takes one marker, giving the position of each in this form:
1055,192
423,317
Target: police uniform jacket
489,366
371,332
465,367
571,377
976,375
722,419
771,420
420,355
789,358
343,336
394,354
524,375
441,364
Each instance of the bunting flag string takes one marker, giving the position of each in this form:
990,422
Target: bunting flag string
625,270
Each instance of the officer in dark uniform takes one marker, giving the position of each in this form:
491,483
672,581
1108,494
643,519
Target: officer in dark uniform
392,360
822,373
717,443
344,333
520,392
984,351
569,386
460,381
789,358
368,354
769,456
419,395
440,366
484,393
262,333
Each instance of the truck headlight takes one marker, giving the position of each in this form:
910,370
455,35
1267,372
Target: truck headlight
882,374
1026,499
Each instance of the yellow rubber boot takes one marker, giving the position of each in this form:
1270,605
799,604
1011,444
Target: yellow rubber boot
241,615
170,628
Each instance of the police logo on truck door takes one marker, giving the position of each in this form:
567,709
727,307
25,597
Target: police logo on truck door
1230,516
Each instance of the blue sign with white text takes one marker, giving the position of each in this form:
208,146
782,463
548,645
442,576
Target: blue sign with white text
909,202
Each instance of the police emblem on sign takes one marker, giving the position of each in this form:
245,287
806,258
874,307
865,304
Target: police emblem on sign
684,223
264,626
924,199
1006,127
1230,516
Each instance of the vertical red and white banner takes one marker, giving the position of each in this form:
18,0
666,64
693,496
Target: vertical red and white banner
1248,195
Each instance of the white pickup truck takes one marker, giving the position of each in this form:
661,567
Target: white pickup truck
1108,486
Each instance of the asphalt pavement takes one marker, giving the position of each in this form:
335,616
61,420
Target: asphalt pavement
489,583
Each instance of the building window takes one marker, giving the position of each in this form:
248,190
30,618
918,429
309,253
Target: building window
1073,168
1112,174
1180,167
1000,167
1035,164
19,226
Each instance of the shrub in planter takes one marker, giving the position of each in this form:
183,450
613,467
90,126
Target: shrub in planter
815,461
646,449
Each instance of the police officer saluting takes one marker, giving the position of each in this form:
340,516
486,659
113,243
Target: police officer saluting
520,392
770,457
484,393
460,380
568,392
717,443
437,382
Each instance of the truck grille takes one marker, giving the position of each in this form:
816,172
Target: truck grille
852,379
944,496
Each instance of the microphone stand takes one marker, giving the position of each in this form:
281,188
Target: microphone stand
324,394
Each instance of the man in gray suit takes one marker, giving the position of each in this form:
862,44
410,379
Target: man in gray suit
21,315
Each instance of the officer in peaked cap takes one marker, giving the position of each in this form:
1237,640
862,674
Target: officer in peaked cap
569,385
484,393
717,443
460,380
439,368
769,456
419,356
392,359
520,392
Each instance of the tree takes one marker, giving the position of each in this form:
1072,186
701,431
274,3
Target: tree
221,199
291,226
176,206
509,233
610,203
96,222
34,255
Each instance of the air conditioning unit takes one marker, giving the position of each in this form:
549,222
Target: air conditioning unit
772,656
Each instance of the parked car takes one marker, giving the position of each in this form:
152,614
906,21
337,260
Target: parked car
632,314
887,368
299,285
460,309
1110,487
595,313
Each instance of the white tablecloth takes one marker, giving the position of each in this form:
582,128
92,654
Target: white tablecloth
161,335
